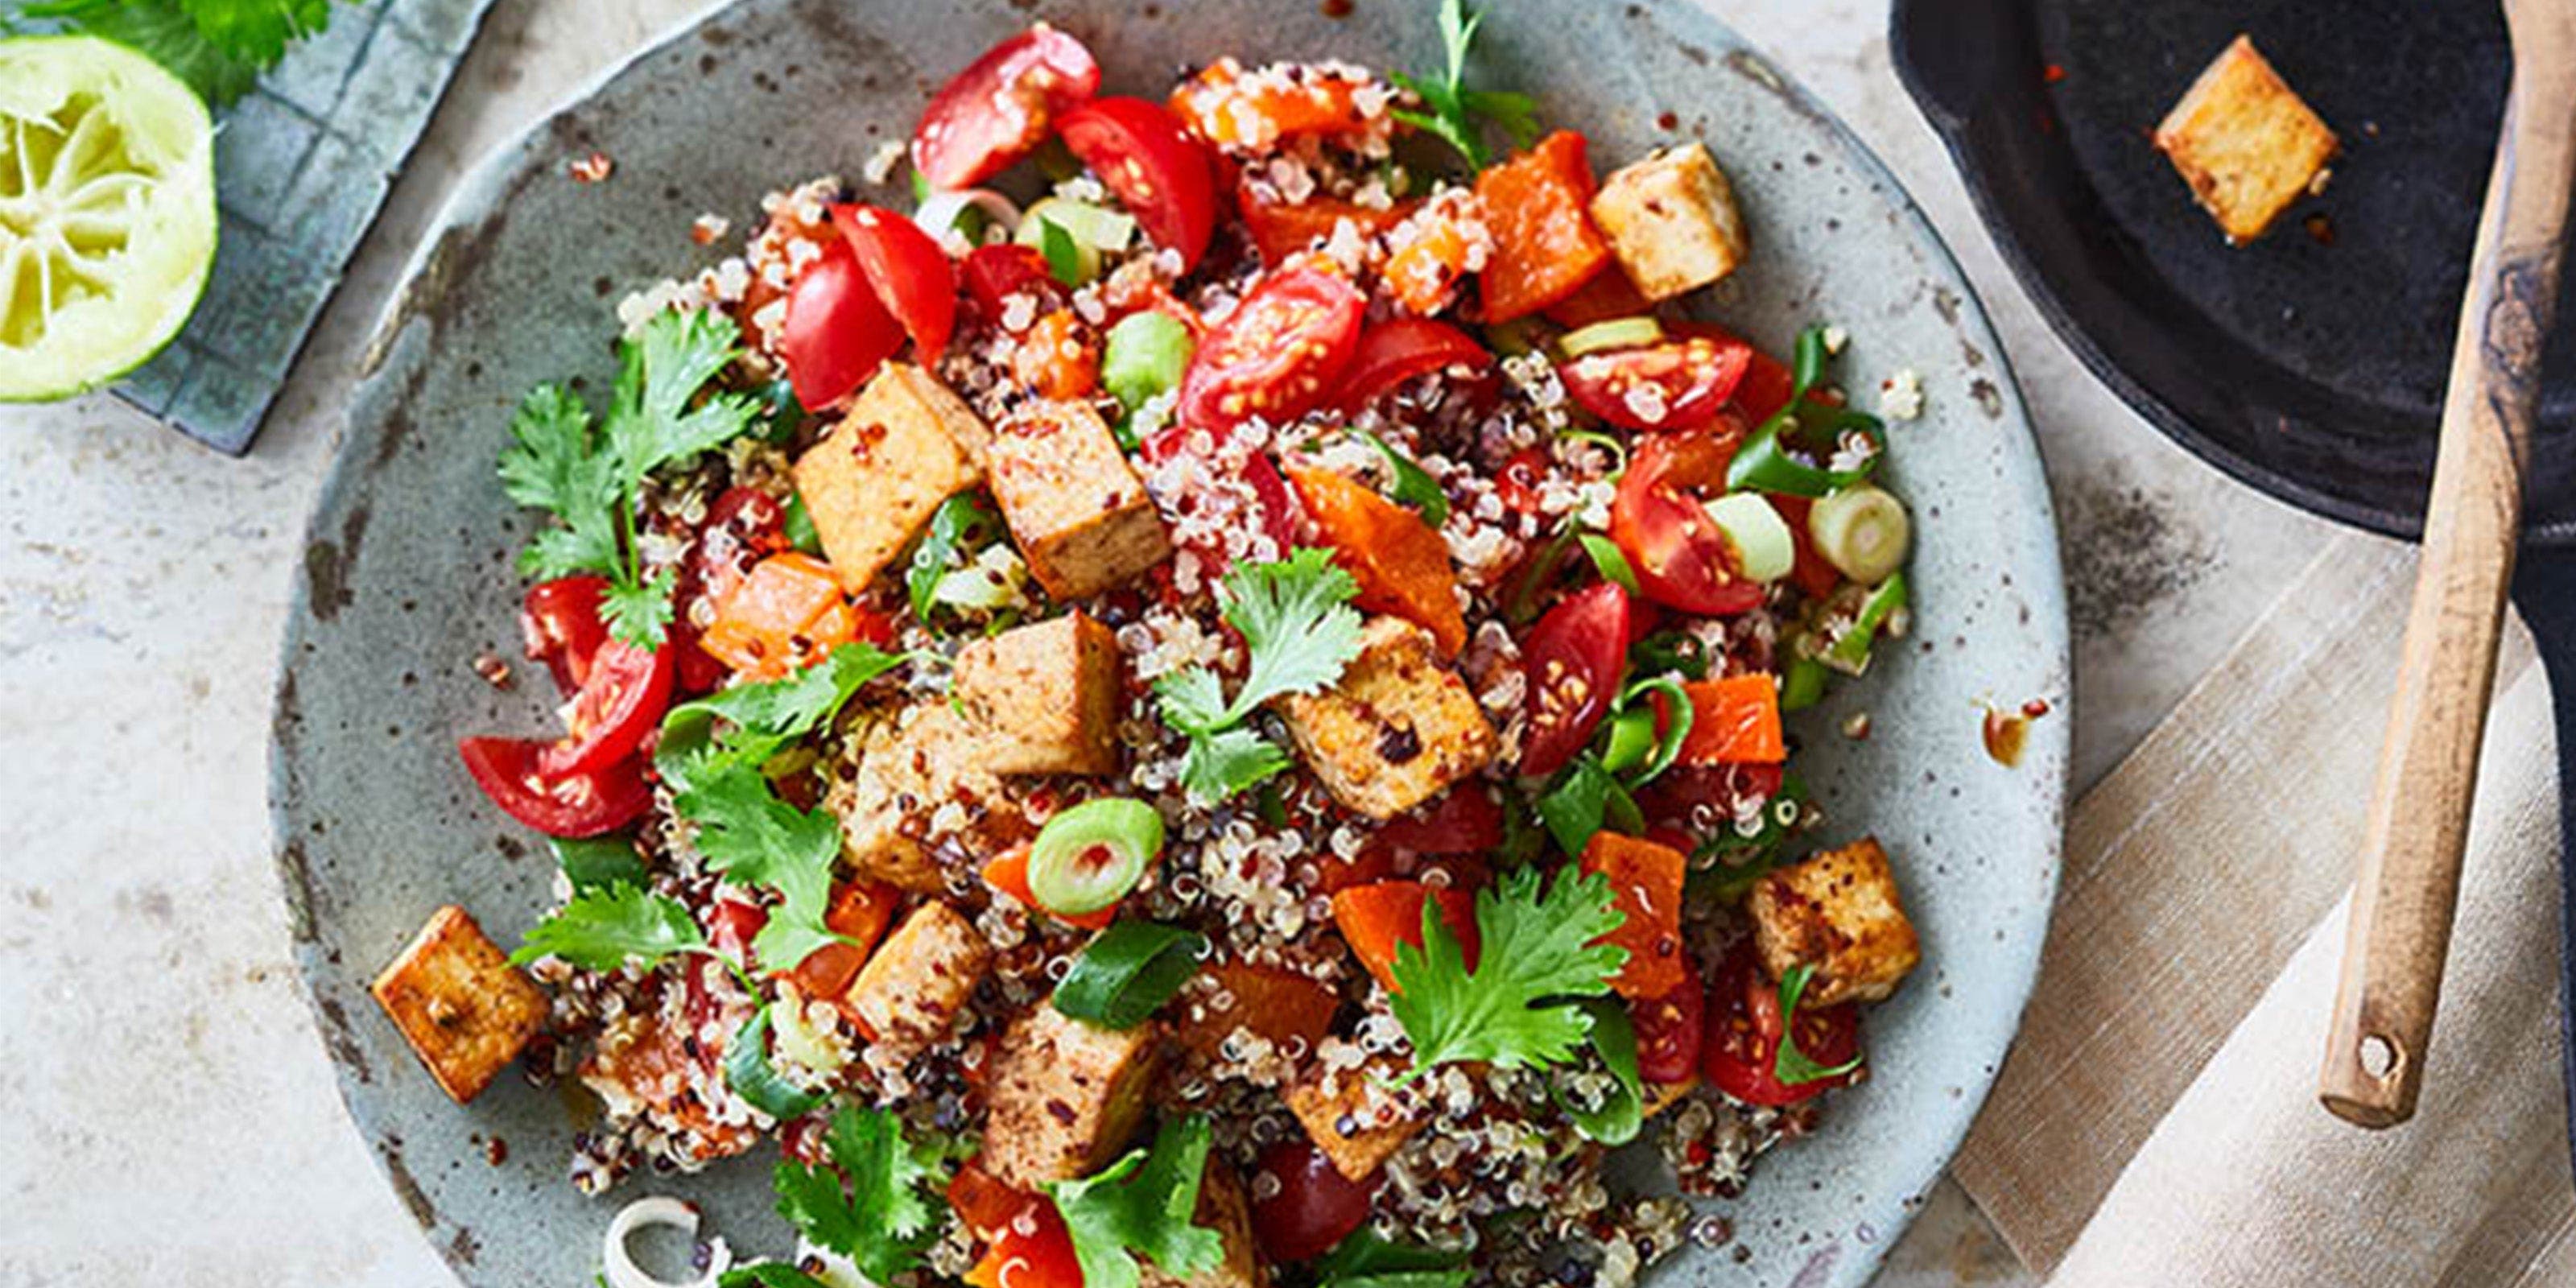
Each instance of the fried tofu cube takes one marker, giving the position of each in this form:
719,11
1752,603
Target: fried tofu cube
906,445
1672,221
1225,1208
1396,730
466,1011
2245,142
1077,510
1838,912
1065,1096
1045,696
911,763
908,995
1355,1116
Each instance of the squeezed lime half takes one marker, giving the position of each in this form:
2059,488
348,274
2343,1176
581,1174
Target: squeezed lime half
107,212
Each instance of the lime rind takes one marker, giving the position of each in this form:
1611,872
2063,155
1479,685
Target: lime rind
107,212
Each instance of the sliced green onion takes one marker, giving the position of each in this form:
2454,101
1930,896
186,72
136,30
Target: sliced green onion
1514,338
1367,1258
1807,359
1621,1114
1765,550
1678,652
749,1073
1088,857
1414,485
1065,260
1617,333
1606,442
1850,650
989,581
1668,747
1073,235
1587,798
798,527
1631,741
1766,464
1862,531
1144,355
1790,1066
600,863
1802,682
967,212
1128,972
959,521
1610,560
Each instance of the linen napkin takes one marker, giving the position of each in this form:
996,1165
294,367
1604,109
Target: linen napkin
2160,1108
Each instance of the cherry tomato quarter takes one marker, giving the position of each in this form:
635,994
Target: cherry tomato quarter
559,622
1573,659
573,805
1681,558
836,332
1158,171
1278,353
909,272
1671,385
1001,107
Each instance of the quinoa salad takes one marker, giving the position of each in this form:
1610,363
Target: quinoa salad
1201,702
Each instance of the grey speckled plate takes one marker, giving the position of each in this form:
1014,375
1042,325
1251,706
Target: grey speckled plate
409,563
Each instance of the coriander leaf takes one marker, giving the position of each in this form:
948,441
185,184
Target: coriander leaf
553,464
762,718
1298,630
260,30
599,862
767,1274
753,838
601,928
1538,947
1219,764
1791,1066
1586,798
1414,485
748,1071
1297,624
880,1221
1143,1204
1620,1112
650,420
639,614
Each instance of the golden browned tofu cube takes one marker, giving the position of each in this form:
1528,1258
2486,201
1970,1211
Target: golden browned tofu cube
906,445
908,995
1078,512
1045,696
466,1011
1672,221
912,764
2245,142
1837,912
1355,1115
1225,1208
1065,1096
1396,730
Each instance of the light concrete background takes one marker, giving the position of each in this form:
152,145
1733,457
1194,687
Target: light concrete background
169,1117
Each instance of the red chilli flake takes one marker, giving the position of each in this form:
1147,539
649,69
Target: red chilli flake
2053,73
594,168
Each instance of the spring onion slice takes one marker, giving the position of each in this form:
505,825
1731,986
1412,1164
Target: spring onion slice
942,212
618,1263
1668,747
748,1071
1631,741
1765,463
1863,531
1586,799
1144,355
1765,550
1802,682
1622,1113
1617,333
1128,972
1610,560
1088,857
1850,650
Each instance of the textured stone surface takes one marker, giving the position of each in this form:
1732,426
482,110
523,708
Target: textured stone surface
158,1062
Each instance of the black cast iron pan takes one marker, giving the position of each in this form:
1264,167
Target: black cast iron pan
2311,363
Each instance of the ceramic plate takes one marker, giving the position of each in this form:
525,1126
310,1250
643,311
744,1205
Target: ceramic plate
409,579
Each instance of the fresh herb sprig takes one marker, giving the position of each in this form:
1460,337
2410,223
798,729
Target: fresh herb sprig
875,1211
220,47
1299,631
660,414
1454,108
606,927
1541,947
1143,1204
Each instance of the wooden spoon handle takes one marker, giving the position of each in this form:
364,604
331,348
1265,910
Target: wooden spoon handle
2419,809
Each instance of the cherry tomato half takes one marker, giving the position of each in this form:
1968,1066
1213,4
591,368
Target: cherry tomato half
836,331
1681,557
910,273
1001,107
1573,658
1669,1028
572,805
1672,385
996,273
623,700
1158,171
1392,354
1314,1205
1277,353
1743,1036
560,623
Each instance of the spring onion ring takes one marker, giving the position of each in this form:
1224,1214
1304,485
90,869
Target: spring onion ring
658,1210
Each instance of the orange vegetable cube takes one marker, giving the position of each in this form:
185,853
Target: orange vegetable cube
861,910
1280,102
1735,721
786,614
1057,358
1275,1004
1646,888
1401,565
1375,918
1538,207
1280,229
1431,252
